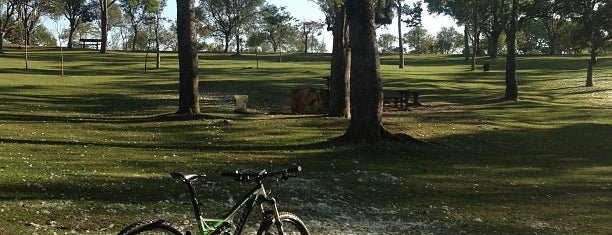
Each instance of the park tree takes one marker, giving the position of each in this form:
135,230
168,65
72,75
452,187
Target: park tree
400,48
339,80
413,20
105,7
420,39
8,11
29,12
511,82
137,12
189,102
366,83
308,30
594,20
226,17
447,40
76,12
155,21
386,42
472,14
500,11
550,14
276,25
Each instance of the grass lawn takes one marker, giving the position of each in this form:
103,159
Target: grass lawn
89,153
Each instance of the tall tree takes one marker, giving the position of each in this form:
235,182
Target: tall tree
500,15
548,12
276,22
594,18
339,81
30,12
386,42
413,16
136,12
104,10
399,33
76,12
472,14
308,31
226,17
189,102
8,9
511,82
156,19
448,40
366,84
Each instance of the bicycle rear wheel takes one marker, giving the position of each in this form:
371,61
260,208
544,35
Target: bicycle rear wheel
292,225
155,227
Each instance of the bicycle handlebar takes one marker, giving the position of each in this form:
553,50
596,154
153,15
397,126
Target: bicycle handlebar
262,174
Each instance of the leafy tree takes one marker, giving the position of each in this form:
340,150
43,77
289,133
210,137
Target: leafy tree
105,7
42,36
420,39
276,24
308,31
226,17
448,40
8,11
189,102
155,21
594,18
413,19
500,11
76,12
136,12
386,42
30,12
472,14
549,13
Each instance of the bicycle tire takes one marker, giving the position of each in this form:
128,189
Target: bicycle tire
292,225
150,227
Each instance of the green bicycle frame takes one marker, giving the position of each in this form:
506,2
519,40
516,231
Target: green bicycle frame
208,226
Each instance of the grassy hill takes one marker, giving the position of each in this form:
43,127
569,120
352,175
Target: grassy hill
89,153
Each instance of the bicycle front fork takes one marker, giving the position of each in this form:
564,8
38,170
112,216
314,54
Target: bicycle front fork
272,215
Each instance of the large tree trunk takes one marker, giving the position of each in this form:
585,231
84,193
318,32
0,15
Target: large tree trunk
189,102
104,25
71,34
366,84
339,83
592,62
227,42
494,43
399,33
511,83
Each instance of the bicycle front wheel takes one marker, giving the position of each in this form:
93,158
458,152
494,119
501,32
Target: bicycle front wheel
155,227
292,225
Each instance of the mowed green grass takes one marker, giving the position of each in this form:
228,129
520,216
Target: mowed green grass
89,153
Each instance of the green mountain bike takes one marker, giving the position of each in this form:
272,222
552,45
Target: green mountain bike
272,221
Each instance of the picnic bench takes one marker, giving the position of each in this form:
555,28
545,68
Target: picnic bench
88,42
401,98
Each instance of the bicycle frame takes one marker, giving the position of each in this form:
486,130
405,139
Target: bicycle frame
256,196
